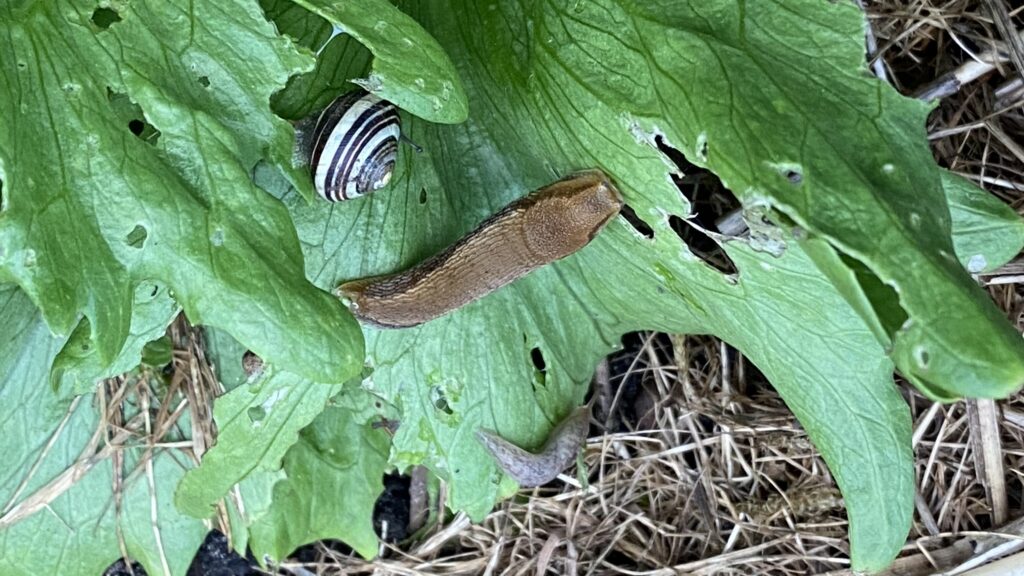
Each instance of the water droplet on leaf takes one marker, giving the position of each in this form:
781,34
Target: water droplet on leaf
977,264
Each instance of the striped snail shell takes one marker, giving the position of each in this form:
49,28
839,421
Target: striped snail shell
355,145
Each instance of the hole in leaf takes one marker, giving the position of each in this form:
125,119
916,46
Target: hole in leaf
710,203
256,413
440,401
883,298
793,173
639,225
391,511
423,195
133,117
204,81
538,359
252,364
389,426
703,246
710,200
540,367
104,17
678,158
137,237
922,357
148,290
143,130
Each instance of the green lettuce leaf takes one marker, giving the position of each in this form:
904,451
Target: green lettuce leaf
772,97
334,476
256,424
91,211
58,512
986,232
409,68
79,364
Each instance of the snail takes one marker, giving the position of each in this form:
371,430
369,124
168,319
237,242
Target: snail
536,469
547,225
354,146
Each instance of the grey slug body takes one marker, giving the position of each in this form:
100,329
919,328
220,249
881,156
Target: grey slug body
536,469
547,225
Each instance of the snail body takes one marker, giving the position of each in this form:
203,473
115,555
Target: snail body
354,146
551,223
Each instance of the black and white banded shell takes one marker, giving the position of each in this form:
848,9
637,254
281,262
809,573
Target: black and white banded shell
355,144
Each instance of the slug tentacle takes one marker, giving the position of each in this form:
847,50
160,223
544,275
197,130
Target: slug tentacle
547,225
536,469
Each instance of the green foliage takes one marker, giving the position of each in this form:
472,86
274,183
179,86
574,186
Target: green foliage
106,234
409,68
49,436
79,364
334,477
256,426
91,211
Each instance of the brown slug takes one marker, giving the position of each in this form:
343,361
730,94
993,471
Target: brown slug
560,449
547,225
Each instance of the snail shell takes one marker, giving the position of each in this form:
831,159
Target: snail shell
355,146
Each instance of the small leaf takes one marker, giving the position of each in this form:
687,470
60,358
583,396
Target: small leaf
158,353
986,232
335,475
256,425
409,69
340,58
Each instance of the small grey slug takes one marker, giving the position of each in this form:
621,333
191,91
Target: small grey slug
353,146
547,225
529,469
